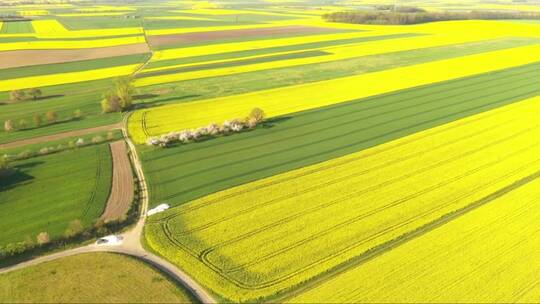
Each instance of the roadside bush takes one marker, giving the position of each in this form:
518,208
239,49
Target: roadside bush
9,125
35,93
51,116
74,228
37,120
16,95
23,124
43,238
97,139
78,114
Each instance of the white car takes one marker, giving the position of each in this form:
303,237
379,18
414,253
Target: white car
110,240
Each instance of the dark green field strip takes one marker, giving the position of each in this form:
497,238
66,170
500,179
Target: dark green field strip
272,50
273,78
17,27
17,39
235,63
76,66
46,193
183,173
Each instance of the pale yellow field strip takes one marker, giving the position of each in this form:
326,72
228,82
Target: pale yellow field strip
335,53
91,14
72,77
33,12
178,18
486,256
70,44
290,99
105,8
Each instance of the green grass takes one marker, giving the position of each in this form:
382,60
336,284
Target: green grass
45,193
183,173
91,278
17,27
260,80
65,100
84,65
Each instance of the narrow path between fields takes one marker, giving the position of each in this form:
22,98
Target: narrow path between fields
122,189
57,136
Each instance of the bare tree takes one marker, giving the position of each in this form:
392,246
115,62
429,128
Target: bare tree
37,120
75,227
51,116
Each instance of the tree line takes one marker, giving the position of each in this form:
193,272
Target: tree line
411,16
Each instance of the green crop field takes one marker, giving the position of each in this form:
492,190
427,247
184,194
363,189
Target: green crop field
18,27
36,197
95,277
178,175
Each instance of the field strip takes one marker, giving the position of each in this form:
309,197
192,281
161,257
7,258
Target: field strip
70,44
467,163
45,28
263,44
286,100
122,191
53,137
452,262
63,78
12,59
335,54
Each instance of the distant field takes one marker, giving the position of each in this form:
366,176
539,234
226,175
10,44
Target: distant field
379,194
91,278
24,214
19,27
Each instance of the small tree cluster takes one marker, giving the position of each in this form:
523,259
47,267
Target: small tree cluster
4,166
120,98
20,95
51,117
212,130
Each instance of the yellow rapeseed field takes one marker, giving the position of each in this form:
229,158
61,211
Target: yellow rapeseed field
486,256
291,99
71,77
259,238
48,27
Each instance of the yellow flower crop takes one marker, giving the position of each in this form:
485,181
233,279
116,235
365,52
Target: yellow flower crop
71,77
70,44
259,238
291,99
48,27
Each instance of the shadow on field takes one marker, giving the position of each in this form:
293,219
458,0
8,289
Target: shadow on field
163,101
271,122
16,176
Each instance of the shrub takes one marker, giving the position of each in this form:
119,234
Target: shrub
35,93
9,126
110,135
51,116
43,238
77,114
37,120
74,228
79,142
25,154
257,115
97,139
23,124
16,95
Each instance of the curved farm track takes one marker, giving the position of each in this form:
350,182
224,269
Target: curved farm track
122,190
